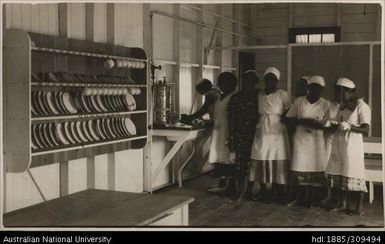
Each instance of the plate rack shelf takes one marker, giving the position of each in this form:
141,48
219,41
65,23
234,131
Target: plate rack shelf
66,99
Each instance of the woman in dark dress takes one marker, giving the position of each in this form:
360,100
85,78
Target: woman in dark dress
243,117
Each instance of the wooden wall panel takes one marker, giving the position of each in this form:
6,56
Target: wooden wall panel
228,10
159,149
246,13
358,21
129,171
46,177
129,24
77,175
37,18
35,12
100,21
20,190
376,107
101,166
332,63
212,7
77,20
163,33
188,37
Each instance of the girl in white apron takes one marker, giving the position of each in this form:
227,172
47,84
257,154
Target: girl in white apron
219,150
310,152
355,117
270,150
333,170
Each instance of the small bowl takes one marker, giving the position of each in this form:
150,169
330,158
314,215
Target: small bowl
109,64
87,92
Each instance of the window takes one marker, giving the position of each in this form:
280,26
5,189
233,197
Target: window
314,35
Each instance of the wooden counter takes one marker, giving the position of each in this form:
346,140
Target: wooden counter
102,208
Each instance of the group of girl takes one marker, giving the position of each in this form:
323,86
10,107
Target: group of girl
294,150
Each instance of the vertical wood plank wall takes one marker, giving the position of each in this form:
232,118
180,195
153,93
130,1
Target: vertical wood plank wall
358,23
128,28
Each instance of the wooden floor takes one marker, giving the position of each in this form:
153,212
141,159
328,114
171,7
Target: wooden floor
209,210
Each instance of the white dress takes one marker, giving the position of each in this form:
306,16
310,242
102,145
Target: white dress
219,151
310,152
271,141
351,148
334,167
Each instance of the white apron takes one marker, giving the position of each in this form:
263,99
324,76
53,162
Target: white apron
219,151
310,149
334,166
271,141
351,144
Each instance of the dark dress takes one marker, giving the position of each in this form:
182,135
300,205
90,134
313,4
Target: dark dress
243,107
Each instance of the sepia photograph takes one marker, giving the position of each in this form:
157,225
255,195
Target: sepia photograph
186,115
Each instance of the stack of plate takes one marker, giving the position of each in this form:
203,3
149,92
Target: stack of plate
66,77
52,103
87,103
53,135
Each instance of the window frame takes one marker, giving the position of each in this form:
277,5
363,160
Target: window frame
336,30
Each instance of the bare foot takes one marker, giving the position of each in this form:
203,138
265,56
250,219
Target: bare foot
292,203
315,205
339,209
357,212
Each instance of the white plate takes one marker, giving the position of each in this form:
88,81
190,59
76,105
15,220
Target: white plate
59,130
47,135
131,128
79,131
85,131
85,104
42,136
49,99
95,104
118,124
91,130
59,97
100,129
100,103
112,128
34,110
74,133
68,103
52,134
35,138
130,102
41,102
68,133
107,129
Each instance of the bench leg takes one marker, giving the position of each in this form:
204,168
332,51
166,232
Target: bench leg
371,192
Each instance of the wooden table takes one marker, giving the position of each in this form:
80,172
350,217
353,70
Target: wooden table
102,208
179,137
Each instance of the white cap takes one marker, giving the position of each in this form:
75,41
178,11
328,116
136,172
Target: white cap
316,79
273,71
250,71
306,77
346,83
